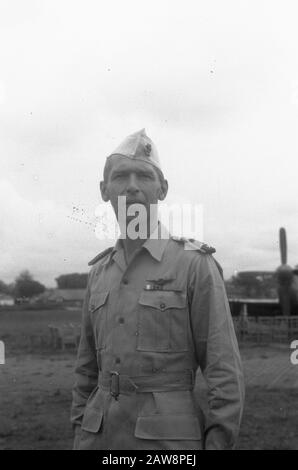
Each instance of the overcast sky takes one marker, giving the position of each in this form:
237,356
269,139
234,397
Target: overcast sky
214,83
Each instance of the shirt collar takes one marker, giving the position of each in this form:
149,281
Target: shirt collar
117,248
155,245
157,242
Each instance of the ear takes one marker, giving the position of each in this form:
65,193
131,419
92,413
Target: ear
104,191
163,190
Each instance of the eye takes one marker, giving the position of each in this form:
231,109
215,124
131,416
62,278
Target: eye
145,176
118,176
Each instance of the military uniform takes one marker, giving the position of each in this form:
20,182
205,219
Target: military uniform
147,328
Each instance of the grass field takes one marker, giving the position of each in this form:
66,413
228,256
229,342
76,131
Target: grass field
17,328
35,389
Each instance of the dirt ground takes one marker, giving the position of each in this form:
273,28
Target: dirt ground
35,398
36,383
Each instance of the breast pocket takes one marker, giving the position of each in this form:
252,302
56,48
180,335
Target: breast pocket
162,321
98,314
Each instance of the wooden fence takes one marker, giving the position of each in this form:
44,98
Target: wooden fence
64,336
279,329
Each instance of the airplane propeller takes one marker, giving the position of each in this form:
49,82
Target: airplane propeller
283,245
284,275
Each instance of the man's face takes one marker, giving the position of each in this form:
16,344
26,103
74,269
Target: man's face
135,179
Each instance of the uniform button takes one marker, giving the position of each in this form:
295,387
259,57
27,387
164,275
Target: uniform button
117,360
121,320
136,333
162,306
125,281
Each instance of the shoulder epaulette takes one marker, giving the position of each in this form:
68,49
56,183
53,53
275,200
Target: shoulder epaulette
100,256
192,244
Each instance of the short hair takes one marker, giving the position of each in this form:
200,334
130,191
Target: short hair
109,164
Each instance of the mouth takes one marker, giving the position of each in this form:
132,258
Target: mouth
130,203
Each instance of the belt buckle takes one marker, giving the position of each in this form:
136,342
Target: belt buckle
114,385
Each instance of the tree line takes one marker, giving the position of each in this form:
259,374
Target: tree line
247,284
25,286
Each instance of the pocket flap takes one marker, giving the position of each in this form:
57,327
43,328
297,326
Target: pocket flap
175,427
92,419
98,300
163,299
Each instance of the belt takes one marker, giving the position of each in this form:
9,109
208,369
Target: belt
118,384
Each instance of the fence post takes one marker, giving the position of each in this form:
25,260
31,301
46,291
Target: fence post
2,352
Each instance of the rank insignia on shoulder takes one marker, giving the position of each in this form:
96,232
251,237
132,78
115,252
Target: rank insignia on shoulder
192,244
200,246
100,256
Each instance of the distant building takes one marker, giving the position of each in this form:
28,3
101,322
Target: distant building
252,284
6,300
43,298
73,297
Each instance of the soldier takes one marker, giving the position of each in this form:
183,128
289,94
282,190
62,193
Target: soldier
155,312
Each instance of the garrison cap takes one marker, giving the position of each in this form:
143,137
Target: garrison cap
138,146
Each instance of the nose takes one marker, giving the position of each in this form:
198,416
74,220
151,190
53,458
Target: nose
132,186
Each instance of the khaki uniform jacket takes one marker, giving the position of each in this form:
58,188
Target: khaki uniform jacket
164,315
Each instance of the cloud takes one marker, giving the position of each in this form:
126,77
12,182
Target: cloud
250,241
43,237
214,91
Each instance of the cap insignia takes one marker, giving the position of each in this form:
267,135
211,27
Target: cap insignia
147,150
